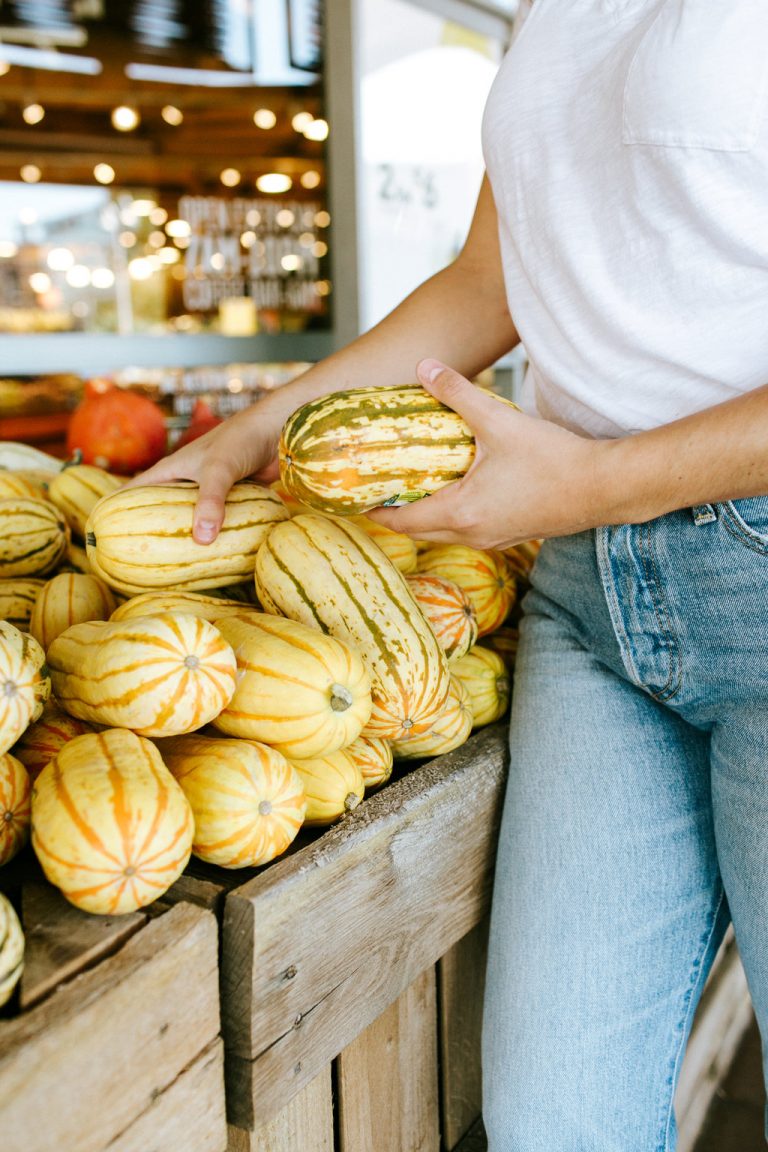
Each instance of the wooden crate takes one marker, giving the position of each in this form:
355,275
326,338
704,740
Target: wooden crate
357,960
112,1040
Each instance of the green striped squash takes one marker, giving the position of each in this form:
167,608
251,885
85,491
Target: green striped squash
326,572
77,489
33,537
11,949
193,603
354,450
140,539
484,675
17,599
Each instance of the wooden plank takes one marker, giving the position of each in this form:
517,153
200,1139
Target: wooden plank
722,1018
387,1078
61,941
318,945
189,1115
76,1070
461,982
304,1125
475,1140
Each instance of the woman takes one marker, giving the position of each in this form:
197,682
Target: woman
623,232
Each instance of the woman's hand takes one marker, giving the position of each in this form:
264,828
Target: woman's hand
529,478
244,445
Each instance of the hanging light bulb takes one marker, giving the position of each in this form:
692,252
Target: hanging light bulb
104,173
172,115
30,173
32,113
274,182
230,177
125,118
264,118
310,178
317,130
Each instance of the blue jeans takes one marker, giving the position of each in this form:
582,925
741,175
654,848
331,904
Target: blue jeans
635,825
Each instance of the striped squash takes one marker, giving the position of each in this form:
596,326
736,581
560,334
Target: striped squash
396,546
193,603
14,456
328,574
374,758
77,489
11,949
448,610
140,539
247,800
504,641
110,826
24,683
298,690
77,558
353,450
67,599
483,674
26,485
33,537
449,731
17,599
15,792
333,786
46,737
522,557
157,675
485,577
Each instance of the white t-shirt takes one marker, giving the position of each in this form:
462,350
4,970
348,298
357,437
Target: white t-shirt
627,146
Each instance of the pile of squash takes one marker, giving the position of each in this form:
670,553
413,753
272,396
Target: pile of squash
160,698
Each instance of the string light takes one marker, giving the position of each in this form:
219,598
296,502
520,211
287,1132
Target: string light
322,219
40,283
301,121
30,173
274,182
230,177
172,115
104,173
125,118
317,130
264,118
33,113
310,178
285,217
102,277
8,249
60,259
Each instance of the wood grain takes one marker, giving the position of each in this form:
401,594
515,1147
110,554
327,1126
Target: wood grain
304,1125
79,1068
189,1116
318,945
61,941
387,1077
461,981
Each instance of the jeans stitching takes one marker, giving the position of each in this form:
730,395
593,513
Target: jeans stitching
688,1004
663,623
753,541
606,573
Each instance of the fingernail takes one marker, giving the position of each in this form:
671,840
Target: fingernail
430,369
205,531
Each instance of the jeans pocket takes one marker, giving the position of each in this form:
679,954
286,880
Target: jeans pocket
699,76
747,519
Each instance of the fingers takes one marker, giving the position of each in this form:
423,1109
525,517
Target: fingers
215,482
433,516
478,408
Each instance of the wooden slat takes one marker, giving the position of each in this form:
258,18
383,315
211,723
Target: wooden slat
722,1018
77,1070
61,941
387,1078
189,1116
461,981
317,946
304,1125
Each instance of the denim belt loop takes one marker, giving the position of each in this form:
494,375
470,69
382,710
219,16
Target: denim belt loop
703,514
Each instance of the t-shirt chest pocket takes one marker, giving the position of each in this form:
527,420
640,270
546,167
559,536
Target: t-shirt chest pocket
699,76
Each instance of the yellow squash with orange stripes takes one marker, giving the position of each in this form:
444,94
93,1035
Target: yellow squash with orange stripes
11,949
157,675
140,539
247,800
46,737
67,599
77,489
451,729
484,675
374,758
110,826
24,683
15,792
329,574
353,450
193,603
449,611
485,577
300,691
17,599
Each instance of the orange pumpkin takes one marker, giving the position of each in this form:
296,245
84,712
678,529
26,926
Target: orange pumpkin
115,429
449,610
110,826
247,800
15,792
486,577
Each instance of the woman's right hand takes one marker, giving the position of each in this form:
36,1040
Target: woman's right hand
244,445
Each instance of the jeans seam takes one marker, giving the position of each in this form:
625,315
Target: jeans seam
606,572
689,1006
663,622
752,541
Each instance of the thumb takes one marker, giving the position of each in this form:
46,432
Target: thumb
455,391
209,510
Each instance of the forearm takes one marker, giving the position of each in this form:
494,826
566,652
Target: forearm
714,455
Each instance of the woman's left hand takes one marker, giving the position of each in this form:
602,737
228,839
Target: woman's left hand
529,478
